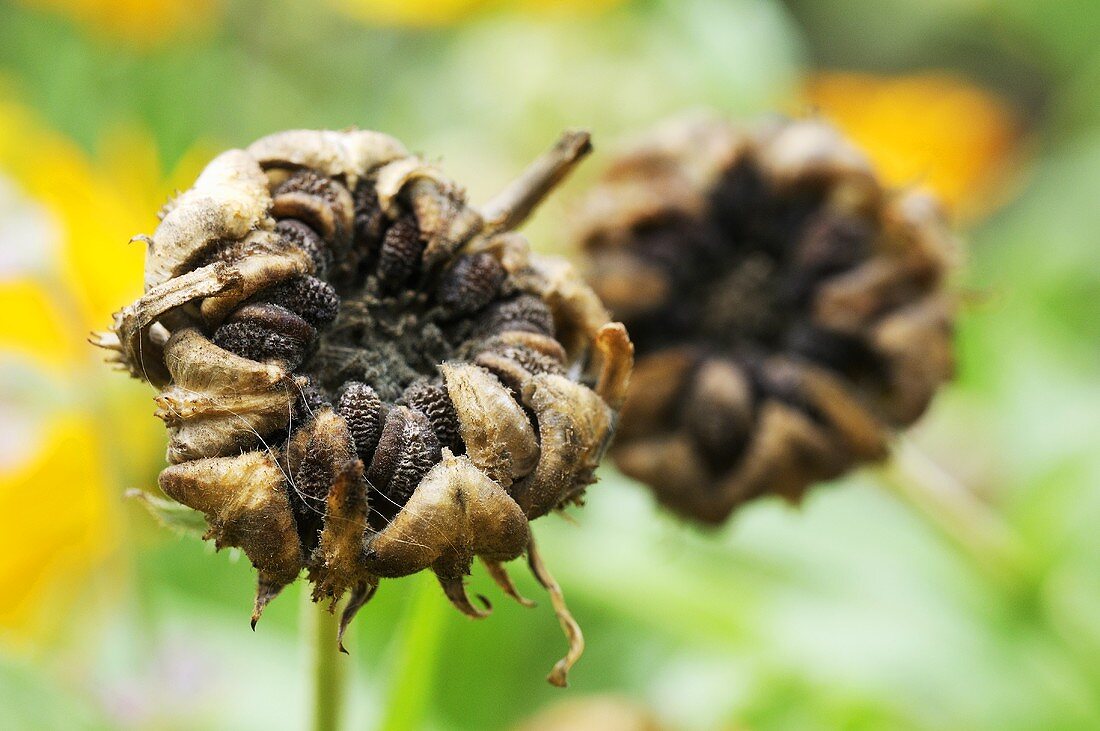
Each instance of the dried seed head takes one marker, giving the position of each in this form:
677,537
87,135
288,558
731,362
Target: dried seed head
315,310
789,311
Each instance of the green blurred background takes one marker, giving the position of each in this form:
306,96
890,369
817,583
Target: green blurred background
958,588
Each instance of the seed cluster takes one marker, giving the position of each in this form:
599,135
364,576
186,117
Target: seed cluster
787,309
364,376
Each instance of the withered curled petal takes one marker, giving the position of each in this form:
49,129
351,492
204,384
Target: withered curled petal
245,503
456,513
574,428
499,438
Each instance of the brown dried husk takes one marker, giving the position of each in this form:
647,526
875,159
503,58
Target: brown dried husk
242,456
743,389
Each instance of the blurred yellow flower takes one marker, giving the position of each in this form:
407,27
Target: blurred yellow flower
411,12
143,22
443,12
57,526
932,129
58,281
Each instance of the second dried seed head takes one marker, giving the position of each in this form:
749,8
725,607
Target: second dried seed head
789,312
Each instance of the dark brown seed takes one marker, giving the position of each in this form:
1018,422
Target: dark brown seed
422,452
370,221
257,342
307,494
314,300
266,332
433,401
406,451
365,415
276,317
399,259
526,313
471,283
303,185
299,234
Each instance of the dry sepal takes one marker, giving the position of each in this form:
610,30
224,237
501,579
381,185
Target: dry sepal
362,375
789,312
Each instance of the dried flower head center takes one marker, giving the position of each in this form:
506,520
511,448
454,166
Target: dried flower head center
745,272
388,342
370,328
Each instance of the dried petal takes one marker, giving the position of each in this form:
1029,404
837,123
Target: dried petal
497,434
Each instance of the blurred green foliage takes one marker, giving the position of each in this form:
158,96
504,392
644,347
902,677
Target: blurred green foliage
850,613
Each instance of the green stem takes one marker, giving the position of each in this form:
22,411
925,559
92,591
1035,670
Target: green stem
413,670
995,547
325,663
956,511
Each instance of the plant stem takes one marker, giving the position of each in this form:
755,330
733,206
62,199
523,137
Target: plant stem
512,205
325,663
413,670
993,545
954,509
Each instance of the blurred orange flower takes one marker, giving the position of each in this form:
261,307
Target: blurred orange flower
932,129
65,265
143,22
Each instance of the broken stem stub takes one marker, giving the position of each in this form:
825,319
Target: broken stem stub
509,208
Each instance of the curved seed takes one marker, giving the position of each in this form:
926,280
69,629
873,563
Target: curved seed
365,415
471,283
321,202
406,451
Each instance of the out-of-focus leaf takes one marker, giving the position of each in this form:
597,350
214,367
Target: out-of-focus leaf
171,514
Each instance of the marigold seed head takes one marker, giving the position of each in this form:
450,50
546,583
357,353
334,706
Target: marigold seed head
789,311
316,311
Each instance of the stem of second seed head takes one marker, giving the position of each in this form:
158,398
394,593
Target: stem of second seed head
511,206
956,511
325,664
